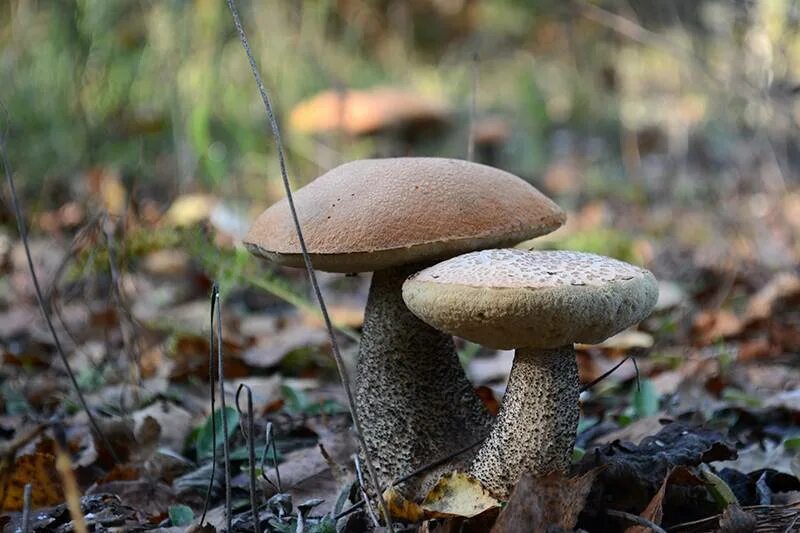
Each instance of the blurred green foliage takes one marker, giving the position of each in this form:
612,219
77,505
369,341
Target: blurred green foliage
161,91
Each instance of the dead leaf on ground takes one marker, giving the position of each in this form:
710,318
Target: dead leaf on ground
305,473
709,327
270,351
539,503
175,423
783,286
38,469
190,357
654,511
190,209
457,494
632,474
735,520
401,508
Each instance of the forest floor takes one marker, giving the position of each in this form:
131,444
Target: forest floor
701,434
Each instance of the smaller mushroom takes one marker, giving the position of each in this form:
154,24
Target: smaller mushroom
540,303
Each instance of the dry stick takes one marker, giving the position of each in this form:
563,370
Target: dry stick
211,374
271,442
715,518
473,109
26,508
435,463
249,436
363,490
611,371
223,409
353,508
23,234
307,260
72,493
637,520
130,340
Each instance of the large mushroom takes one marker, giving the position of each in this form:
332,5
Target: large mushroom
394,217
539,303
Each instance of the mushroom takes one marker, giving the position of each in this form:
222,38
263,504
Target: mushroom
365,112
539,303
393,217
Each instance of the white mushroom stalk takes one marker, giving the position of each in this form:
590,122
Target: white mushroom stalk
539,303
392,217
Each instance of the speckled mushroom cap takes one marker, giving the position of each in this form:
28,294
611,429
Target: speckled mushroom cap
373,214
535,299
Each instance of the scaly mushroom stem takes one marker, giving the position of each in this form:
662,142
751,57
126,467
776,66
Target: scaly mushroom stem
536,427
415,402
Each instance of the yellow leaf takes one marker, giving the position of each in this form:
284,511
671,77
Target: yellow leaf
113,195
190,209
401,508
457,494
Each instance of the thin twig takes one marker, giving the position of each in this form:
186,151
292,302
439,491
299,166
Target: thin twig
249,435
271,442
26,508
72,493
473,108
223,409
23,234
211,377
129,334
637,520
353,508
711,521
434,464
611,371
364,496
307,259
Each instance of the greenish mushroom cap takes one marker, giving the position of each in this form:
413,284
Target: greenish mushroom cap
509,298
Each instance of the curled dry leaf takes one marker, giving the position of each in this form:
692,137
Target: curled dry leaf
457,494
539,503
712,326
401,508
632,474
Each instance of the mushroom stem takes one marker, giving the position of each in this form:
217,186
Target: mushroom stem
415,401
536,427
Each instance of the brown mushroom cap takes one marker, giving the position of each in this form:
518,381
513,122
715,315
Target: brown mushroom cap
368,215
363,112
534,299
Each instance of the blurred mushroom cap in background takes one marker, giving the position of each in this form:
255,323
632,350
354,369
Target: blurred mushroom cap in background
366,112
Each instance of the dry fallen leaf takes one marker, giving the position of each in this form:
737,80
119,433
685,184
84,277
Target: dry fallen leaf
538,503
712,326
654,512
783,286
189,209
38,469
457,494
401,508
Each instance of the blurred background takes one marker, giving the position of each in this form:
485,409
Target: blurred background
668,130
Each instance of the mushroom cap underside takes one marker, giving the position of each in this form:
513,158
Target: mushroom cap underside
534,299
